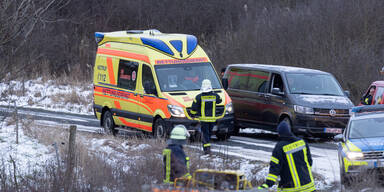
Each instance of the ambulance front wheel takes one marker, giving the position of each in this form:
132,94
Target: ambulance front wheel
159,128
108,123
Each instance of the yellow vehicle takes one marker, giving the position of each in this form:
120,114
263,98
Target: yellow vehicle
215,180
206,179
147,80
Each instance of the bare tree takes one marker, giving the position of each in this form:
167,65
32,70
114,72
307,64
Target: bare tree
18,19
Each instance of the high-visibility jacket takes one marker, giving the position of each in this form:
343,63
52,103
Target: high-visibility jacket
176,163
204,106
291,160
367,100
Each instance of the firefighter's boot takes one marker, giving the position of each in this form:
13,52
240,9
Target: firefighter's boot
207,150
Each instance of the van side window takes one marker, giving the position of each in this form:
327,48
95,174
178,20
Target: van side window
147,78
238,79
258,81
127,74
379,95
250,80
277,82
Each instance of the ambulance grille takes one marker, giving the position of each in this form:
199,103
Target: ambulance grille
374,155
219,110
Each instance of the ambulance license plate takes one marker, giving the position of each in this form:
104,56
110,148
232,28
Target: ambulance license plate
333,130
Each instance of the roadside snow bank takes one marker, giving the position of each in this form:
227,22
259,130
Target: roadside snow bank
28,155
48,95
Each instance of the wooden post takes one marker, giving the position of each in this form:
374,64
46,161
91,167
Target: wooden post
70,159
17,124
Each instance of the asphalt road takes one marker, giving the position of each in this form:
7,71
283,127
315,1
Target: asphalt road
91,124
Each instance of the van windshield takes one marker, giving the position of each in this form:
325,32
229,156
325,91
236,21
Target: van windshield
185,77
313,84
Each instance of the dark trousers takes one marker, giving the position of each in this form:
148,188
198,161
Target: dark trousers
206,129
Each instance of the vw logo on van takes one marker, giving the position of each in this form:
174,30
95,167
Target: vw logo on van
332,112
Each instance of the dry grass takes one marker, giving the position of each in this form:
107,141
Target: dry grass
72,97
114,163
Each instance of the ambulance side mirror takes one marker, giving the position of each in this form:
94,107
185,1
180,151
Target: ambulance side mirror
224,81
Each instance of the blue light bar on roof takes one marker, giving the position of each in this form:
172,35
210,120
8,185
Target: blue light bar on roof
157,44
191,43
177,44
367,108
99,37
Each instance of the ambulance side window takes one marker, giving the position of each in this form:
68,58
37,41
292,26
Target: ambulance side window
127,74
148,82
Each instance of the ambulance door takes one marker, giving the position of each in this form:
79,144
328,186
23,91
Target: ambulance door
127,100
148,97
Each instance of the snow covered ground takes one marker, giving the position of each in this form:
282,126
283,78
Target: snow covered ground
48,95
30,153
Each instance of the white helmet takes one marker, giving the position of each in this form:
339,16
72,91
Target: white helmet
206,86
179,132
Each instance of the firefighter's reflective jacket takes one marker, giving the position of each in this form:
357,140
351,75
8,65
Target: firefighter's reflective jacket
291,160
204,106
176,163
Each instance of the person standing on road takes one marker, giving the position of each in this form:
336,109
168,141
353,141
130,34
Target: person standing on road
176,163
291,160
204,107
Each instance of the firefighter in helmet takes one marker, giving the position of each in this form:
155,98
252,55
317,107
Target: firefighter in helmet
291,160
204,107
176,163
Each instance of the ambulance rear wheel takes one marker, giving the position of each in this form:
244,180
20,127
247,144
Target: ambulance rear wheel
159,129
108,123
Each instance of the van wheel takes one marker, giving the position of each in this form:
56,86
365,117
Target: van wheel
108,123
159,129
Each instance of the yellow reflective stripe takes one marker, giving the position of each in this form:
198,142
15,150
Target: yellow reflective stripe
292,169
207,145
352,147
202,109
293,146
305,188
203,100
272,177
167,154
187,175
187,159
193,112
306,161
366,101
348,163
275,160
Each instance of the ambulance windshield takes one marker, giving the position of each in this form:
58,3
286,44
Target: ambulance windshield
185,77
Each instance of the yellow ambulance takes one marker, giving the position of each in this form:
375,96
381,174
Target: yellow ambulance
147,80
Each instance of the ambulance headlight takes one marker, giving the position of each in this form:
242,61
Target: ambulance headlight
353,155
228,108
176,111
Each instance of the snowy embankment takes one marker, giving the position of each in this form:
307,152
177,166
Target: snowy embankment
31,154
49,95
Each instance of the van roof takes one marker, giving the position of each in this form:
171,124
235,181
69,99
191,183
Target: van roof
378,83
277,68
